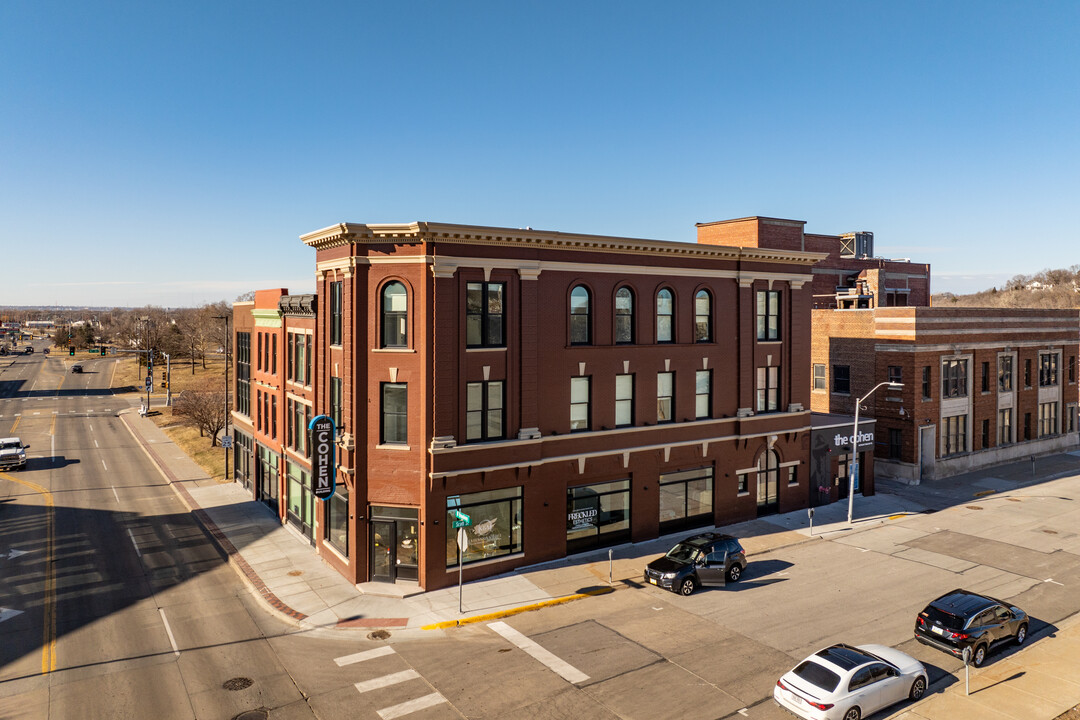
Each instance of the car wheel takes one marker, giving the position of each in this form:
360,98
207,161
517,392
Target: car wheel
1021,634
853,714
918,688
979,656
734,573
687,586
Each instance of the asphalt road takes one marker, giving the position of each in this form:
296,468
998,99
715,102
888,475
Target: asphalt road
148,621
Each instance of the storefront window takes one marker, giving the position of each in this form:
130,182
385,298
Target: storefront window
597,515
337,519
686,499
301,499
496,524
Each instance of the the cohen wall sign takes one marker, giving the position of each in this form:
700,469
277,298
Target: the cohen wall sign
321,433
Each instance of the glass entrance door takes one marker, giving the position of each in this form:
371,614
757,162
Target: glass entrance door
768,475
383,541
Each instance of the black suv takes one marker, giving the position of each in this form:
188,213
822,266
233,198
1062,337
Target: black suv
705,559
962,619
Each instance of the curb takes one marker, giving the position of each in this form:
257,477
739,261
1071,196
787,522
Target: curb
517,611
236,561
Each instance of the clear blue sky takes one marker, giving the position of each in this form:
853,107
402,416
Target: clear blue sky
172,153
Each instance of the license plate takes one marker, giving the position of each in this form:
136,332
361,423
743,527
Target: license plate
936,629
652,580
795,698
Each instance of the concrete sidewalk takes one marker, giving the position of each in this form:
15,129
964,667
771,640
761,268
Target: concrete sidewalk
281,568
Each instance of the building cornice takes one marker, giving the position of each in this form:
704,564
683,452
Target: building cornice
419,232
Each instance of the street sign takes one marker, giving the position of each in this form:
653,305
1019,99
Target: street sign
322,432
462,517
226,441
460,524
462,540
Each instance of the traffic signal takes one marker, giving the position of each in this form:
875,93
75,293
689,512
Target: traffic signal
102,349
71,349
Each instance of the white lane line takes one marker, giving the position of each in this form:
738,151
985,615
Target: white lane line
91,428
1052,580
114,494
362,656
104,465
386,680
172,640
96,445
52,443
558,665
132,536
396,711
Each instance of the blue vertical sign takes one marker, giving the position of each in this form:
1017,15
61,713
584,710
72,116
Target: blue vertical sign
321,432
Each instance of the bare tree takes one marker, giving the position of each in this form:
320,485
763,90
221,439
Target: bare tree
202,407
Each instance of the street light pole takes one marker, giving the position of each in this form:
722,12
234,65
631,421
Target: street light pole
854,470
227,338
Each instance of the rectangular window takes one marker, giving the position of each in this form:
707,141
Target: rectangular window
395,414
273,416
1070,419
1048,369
597,515
686,499
841,379
258,410
665,397
579,403
953,378
986,377
335,313
768,315
484,312
792,475
896,374
821,382
985,434
703,394
954,435
896,443
1027,373
1005,435
259,353
243,373
290,424
1005,373
498,522
308,355
335,401
926,382
272,339
624,400
1048,419
290,349
768,391
742,485
1072,368
337,519
484,411
1027,426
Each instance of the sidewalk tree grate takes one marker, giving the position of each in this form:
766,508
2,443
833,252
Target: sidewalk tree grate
378,635
237,683
258,714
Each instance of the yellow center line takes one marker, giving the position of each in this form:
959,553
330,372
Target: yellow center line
48,641
12,431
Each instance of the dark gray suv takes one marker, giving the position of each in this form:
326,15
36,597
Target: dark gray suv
706,559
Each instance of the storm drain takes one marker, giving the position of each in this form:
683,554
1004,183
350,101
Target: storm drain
260,714
238,683
378,635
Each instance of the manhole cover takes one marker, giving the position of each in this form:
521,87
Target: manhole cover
973,507
259,714
378,635
238,683
294,573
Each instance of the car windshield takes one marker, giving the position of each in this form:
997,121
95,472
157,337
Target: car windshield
817,675
945,619
9,445
684,553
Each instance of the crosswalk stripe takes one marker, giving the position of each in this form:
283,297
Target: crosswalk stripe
396,711
386,680
555,663
362,656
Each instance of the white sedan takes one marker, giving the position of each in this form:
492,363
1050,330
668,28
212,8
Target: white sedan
843,682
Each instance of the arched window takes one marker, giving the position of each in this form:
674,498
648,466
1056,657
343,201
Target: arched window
665,308
702,316
580,316
395,315
624,316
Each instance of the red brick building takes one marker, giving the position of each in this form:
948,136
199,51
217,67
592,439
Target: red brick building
981,385
848,276
566,392
274,400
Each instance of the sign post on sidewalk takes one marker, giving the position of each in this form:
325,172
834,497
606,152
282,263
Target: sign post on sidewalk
810,512
967,670
462,540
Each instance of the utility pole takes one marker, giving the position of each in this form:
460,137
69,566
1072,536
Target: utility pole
226,434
